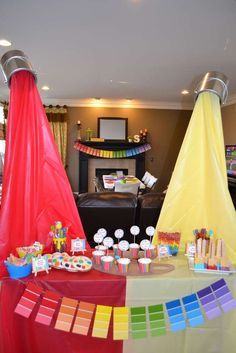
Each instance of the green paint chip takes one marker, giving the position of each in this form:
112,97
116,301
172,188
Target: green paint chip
157,324
158,332
139,326
157,316
138,318
140,334
155,308
138,311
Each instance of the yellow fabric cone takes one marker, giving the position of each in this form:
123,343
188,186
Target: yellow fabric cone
198,196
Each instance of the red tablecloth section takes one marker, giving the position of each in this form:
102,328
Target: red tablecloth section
21,335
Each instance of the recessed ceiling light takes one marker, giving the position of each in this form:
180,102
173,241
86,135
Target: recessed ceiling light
123,82
185,91
5,43
45,88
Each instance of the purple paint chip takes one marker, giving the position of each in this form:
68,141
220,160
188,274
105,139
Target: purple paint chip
212,314
218,284
229,306
222,291
210,306
204,292
226,298
207,299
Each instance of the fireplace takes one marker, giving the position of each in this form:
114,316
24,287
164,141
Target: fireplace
134,165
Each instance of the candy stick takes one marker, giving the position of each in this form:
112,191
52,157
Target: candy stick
204,248
219,248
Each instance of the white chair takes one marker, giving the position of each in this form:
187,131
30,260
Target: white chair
127,187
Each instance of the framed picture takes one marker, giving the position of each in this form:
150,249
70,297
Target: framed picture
114,129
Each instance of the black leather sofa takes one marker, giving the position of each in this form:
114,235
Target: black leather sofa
114,210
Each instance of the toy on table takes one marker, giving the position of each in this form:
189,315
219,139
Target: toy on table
27,252
170,239
210,253
18,267
59,235
78,245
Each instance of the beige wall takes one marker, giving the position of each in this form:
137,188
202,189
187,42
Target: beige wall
166,131
229,124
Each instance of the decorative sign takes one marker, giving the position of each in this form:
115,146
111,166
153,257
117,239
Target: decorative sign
102,231
98,238
123,245
145,244
134,230
119,233
108,242
163,251
78,245
40,264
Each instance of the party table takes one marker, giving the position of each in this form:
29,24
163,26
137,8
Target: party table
19,334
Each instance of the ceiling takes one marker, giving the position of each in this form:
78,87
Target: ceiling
144,50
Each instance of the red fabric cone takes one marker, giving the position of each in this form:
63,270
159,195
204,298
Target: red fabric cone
36,191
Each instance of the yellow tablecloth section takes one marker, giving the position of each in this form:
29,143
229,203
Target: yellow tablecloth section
214,336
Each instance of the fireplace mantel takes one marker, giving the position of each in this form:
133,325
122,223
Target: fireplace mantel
111,146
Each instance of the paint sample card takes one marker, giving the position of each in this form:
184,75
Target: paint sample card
176,316
102,321
66,314
157,320
47,308
83,318
28,300
138,322
223,295
121,323
193,310
209,303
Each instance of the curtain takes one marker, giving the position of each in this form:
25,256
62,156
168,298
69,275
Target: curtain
58,125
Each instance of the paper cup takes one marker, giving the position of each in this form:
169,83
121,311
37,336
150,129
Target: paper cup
107,262
144,264
117,251
97,254
134,250
123,265
151,252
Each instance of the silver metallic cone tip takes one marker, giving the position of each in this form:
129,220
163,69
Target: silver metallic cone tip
214,82
14,61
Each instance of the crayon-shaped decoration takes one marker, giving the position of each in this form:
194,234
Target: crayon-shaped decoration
28,300
102,321
193,310
47,308
176,316
83,318
66,314
157,320
138,322
121,323
209,303
223,295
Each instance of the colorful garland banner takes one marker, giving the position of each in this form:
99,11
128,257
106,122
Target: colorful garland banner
112,154
191,310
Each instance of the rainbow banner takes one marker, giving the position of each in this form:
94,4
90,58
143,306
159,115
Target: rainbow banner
213,301
112,154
